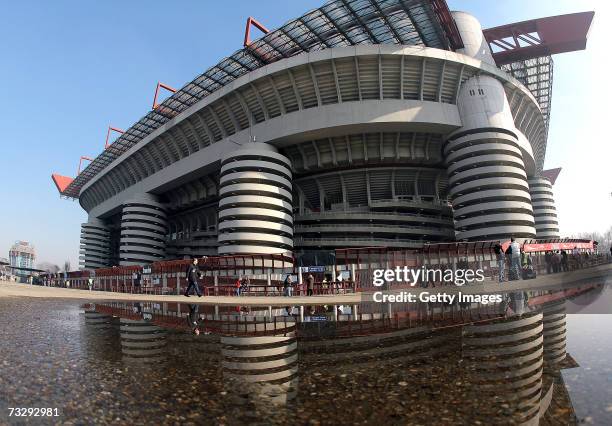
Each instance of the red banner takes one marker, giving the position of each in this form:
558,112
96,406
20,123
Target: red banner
529,248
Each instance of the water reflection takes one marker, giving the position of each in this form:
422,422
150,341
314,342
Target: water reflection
496,364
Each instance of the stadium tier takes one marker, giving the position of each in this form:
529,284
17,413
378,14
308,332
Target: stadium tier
364,123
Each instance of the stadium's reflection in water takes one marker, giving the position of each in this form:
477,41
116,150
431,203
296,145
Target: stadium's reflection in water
464,363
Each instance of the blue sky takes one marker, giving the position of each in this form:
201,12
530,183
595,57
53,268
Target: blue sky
70,68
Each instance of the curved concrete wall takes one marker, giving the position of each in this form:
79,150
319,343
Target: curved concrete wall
142,341
474,42
261,369
554,334
487,176
296,98
256,202
143,231
544,210
504,360
95,245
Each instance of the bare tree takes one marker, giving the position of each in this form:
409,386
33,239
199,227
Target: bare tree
604,239
48,267
67,266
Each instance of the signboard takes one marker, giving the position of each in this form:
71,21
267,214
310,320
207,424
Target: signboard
535,247
529,248
314,269
315,318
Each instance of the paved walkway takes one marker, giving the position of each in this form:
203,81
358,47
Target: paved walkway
8,289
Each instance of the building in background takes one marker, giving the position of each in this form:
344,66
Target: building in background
364,123
22,256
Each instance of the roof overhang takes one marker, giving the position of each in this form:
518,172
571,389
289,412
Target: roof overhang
61,182
552,174
539,37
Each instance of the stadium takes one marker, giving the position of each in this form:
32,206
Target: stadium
364,123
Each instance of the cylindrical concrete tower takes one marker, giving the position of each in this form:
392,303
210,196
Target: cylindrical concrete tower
143,231
255,206
554,334
260,369
474,42
487,177
544,211
142,341
95,244
503,359
487,174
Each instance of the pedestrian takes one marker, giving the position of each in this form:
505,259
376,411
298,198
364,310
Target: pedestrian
501,262
90,283
556,261
137,281
193,319
288,286
309,285
564,262
193,274
515,257
548,261
237,285
245,284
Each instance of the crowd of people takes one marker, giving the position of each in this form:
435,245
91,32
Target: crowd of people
520,264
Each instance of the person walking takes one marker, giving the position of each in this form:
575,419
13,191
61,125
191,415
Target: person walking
564,262
245,284
309,285
548,261
288,286
237,285
193,273
501,261
193,319
515,257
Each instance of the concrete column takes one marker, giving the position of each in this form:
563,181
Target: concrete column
271,225
95,244
143,231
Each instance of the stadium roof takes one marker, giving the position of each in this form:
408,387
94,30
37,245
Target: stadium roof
352,22
336,23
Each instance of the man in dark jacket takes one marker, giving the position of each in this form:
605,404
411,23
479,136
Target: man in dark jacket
309,285
501,263
193,273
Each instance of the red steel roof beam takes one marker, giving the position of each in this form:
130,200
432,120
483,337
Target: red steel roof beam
111,129
555,34
247,32
161,86
440,8
81,162
61,182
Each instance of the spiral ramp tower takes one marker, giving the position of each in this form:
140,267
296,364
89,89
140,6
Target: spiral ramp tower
544,210
255,206
143,231
95,245
96,319
486,159
504,360
554,334
261,368
142,341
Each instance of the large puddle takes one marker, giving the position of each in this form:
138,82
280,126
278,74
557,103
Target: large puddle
535,358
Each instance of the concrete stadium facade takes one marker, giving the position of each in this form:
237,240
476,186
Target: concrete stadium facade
365,145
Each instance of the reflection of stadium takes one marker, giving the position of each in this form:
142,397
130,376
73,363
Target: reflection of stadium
361,123
506,362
